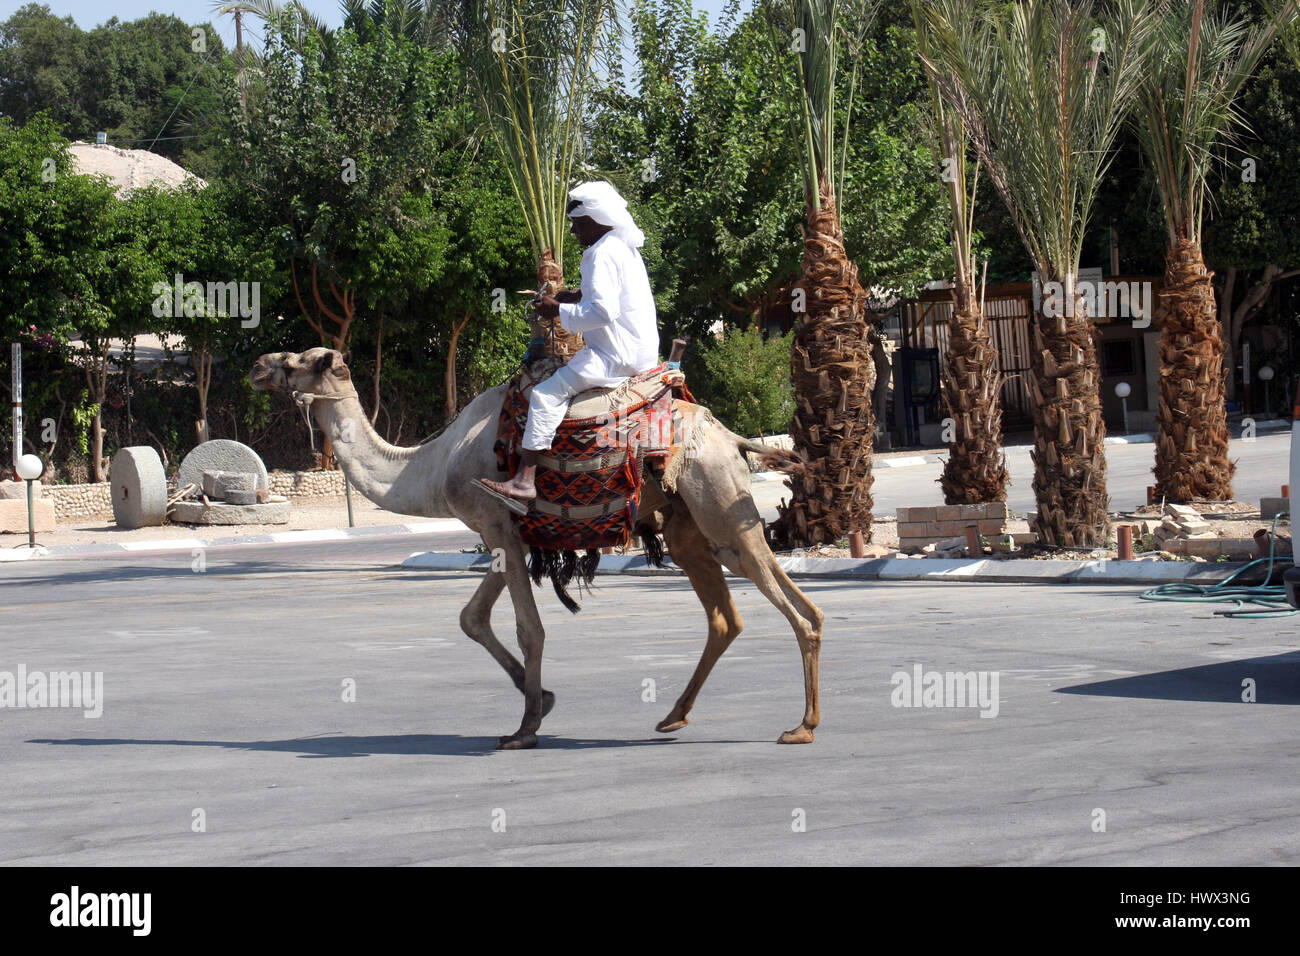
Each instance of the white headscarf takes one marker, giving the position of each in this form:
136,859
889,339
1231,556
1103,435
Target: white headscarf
601,202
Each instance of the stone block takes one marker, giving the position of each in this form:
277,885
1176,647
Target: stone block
13,515
239,496
18,489
229,481
1270,508
947,512
912,529
922,514
992,526
1181,511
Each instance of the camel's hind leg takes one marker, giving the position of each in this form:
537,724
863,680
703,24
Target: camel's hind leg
760,566
691,551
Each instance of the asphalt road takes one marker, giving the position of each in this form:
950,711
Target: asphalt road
223,703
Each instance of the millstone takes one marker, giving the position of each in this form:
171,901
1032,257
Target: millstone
194,512
139,488
220,454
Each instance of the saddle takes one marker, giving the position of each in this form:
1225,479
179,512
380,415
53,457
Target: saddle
589,483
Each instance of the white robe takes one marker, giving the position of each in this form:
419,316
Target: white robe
616,318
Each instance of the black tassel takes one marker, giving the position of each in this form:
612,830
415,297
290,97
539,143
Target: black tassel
561,567
653,545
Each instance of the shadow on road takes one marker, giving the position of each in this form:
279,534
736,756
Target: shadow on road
447,745
1276,681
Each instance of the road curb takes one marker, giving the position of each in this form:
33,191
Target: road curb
960,570
442,525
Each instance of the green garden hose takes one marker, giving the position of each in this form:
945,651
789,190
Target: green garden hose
1252,601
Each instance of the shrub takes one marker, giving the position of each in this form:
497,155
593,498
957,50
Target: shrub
744,379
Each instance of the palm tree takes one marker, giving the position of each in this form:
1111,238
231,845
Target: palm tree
1185,107
532,64
976,470
1043,87
830,362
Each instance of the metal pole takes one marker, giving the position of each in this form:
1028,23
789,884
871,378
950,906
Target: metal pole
1124,402
16,375
31,518
347,493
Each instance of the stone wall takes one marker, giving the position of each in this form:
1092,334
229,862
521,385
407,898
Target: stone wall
307,484
79,502
76,502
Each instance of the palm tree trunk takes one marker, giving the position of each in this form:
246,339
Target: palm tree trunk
975,471
1192,441
549,337
1069,432
833,373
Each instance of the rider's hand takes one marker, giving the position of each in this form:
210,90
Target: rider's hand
569,296
548,307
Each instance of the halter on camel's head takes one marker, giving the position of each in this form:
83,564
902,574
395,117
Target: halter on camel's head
318,374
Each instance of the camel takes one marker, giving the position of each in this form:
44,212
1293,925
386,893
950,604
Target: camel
710,520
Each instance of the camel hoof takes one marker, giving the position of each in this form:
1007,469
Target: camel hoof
517,742
548,701
800,735
667,726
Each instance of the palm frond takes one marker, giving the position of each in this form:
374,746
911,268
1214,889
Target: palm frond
807,36
532,64
1187,102
1043,87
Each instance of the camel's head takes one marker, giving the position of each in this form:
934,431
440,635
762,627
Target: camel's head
318,371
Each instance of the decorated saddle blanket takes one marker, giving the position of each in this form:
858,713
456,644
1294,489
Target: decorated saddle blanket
589,482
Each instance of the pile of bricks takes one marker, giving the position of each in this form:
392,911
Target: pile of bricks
918,527
1180,521
1183,531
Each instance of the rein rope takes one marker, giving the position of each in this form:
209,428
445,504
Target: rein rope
304,400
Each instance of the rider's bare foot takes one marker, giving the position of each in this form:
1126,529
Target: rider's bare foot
514,488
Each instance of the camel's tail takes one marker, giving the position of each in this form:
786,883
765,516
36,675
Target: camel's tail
783,460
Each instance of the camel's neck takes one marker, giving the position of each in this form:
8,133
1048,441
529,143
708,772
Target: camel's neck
406,481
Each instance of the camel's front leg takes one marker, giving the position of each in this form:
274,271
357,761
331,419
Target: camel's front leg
528,628
476,620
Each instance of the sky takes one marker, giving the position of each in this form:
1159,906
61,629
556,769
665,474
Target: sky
91,13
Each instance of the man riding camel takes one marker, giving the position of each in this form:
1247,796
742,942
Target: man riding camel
613,310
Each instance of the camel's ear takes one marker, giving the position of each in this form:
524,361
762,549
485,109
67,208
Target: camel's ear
324,363
347,357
